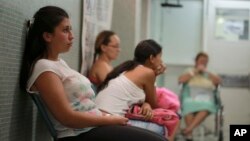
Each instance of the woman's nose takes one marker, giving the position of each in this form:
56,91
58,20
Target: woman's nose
71,35
119,49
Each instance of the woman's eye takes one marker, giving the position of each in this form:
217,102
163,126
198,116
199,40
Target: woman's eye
67,29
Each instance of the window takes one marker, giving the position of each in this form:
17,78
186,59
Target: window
232,24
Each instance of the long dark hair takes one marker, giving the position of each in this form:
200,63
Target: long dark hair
103,38
142,52
44,20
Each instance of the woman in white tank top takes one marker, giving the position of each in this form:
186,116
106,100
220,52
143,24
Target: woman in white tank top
132,82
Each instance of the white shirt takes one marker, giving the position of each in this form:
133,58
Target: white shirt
77,89
119,95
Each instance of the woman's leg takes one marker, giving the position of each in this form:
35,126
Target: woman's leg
195,121
117,133
188,121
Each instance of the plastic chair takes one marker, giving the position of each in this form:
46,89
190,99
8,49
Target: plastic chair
94,87
41,109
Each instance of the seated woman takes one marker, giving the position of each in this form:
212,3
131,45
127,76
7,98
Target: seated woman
197,95
131,83
66,93
106,50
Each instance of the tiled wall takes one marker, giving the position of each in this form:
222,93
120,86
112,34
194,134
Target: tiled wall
18,117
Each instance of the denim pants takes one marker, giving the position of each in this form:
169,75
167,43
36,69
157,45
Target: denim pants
148,125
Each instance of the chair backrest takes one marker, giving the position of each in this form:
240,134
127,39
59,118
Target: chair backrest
94,87
217,98
41,109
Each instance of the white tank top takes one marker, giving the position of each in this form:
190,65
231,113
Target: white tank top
119,95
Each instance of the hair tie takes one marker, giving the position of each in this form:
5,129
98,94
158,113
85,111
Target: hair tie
29,25
30,22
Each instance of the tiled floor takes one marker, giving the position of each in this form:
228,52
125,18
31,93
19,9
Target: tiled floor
201,133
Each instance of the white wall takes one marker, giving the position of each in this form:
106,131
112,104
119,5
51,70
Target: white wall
123,23
179,30
231,58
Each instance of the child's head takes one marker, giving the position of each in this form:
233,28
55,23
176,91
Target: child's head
148,52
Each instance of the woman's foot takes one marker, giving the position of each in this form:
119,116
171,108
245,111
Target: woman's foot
189,138
187,134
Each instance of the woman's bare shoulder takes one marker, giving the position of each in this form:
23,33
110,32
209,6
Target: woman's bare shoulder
98,65
144,72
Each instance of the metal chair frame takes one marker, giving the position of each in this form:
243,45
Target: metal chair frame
42,110
219,116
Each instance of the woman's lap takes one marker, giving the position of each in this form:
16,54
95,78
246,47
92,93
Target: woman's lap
189,106
148,125
116,133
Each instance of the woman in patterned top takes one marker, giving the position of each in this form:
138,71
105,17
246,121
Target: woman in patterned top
66,93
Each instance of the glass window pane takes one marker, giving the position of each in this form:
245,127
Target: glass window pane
232,24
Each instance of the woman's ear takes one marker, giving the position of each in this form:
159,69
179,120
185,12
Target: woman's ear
47,36
103,48
151,59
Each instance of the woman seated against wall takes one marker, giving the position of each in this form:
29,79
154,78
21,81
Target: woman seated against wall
197,96
67,95
106,50
133,82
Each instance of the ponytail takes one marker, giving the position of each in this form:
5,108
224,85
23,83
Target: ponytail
44,20
126,66
143,51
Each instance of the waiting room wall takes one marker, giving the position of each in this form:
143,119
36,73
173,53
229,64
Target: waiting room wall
18,117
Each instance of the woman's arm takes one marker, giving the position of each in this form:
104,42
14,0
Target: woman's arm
184,78
101,71
52,92
148,80
215,78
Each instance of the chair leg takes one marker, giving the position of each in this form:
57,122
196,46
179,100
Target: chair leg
202,133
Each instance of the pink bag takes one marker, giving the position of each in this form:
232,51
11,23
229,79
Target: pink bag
167,118
167,99
165,114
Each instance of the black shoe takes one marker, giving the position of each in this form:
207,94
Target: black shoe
189,139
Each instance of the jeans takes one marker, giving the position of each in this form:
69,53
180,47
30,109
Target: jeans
148,125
